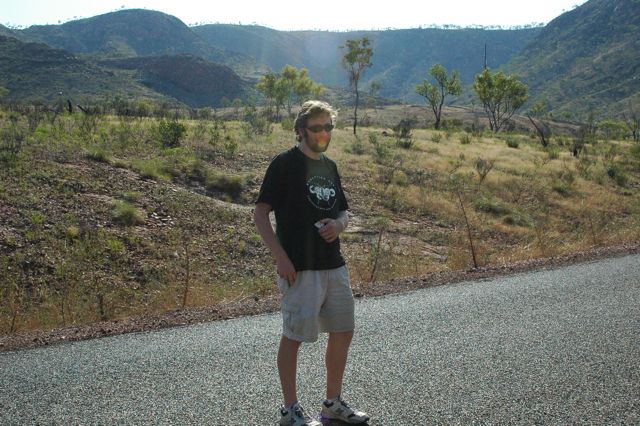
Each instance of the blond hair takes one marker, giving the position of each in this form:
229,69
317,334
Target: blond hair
312,109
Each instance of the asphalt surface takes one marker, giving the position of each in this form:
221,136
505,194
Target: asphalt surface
547,347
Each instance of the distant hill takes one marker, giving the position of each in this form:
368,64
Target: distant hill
586,58
130,33
401,58
188,78
6,31
37,71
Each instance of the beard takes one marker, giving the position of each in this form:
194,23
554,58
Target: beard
318,146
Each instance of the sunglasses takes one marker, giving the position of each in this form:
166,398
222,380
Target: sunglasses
317,128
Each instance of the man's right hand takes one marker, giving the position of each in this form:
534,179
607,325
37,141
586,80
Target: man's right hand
285,269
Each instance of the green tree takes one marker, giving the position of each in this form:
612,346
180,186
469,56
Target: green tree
289,79
305,87
291,85
356,60
436,93
612,129
268,85
501,96
236,104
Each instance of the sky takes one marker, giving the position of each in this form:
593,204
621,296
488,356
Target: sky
332,15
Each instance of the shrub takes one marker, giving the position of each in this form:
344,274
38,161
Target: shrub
451,124
230,145
563,189
37,219
615,172
287,124
255,123
12,138
215,132
403,132
229,184
465,139
356,147
436,137
99,155
126,214
120,163
493,206
171,133
567,176
131,196
518,219
150,169
400,178
583,166
72,232
512,142
115,246
381,150
553,153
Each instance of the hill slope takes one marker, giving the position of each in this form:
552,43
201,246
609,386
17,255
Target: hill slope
585,58
35,70
401,58
188,78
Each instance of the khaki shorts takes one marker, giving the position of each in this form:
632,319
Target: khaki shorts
317,301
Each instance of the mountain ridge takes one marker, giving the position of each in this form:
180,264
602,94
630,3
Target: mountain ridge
584,59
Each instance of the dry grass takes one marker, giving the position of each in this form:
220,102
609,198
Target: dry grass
529,205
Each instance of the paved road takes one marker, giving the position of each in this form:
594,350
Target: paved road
549,347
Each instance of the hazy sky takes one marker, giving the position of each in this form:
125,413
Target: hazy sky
292,15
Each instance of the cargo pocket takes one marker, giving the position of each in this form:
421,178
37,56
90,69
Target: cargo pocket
283,285
291,320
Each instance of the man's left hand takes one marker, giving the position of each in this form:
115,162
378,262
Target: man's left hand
331,229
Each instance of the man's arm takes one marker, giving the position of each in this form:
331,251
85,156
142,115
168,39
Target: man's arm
334,227
284,266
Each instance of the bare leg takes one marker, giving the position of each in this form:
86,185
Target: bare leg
287,366
336,361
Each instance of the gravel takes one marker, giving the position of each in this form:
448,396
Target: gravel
557,346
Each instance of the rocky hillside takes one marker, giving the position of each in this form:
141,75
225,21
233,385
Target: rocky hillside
586,58
37,71
188,78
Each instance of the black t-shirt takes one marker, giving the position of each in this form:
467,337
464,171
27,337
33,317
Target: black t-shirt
302,191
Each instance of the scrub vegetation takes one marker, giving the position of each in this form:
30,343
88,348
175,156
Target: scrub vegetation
106,216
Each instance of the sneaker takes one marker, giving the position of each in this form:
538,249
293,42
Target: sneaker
296,417
339,410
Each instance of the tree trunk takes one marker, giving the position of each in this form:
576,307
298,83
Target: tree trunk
355,111
540,131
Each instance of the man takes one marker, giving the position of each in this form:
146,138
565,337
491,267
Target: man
303,188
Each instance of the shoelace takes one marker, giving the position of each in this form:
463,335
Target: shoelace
300,413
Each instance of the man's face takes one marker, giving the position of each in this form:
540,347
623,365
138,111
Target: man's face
317,141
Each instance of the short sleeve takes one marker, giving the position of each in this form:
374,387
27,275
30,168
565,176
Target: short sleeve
271,190
342,199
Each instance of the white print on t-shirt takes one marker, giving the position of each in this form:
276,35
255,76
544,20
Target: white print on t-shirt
322,192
